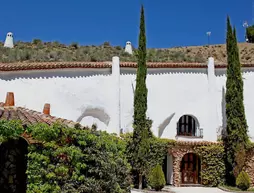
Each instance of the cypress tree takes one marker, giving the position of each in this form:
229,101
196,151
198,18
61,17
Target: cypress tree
237,128
140,146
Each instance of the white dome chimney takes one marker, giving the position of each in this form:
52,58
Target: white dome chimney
9,40
128,47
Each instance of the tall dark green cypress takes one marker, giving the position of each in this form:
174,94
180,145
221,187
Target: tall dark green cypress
140,96
237,128
140,144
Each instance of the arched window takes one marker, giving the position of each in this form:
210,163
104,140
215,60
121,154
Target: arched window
188,126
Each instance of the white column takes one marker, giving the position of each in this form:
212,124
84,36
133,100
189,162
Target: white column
211,74
116,83
213,112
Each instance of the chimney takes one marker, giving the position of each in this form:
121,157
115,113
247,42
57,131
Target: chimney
46,109
9,101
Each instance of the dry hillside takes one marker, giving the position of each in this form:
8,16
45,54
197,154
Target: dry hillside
219,52
38,51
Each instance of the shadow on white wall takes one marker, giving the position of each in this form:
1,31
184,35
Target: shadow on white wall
96,112
164,124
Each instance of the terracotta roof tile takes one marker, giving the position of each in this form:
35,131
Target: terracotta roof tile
30,117
61,65
51,65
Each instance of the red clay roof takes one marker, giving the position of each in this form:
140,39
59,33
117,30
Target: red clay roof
61,65
30,117
51,65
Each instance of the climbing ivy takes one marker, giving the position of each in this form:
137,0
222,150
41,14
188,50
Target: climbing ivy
10,130
72,159
213,166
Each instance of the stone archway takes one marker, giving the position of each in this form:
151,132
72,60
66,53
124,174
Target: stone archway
178,154
13,166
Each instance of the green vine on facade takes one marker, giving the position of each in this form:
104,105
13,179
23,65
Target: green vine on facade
213,165
10,130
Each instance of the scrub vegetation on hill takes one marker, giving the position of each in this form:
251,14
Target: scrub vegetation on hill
38,51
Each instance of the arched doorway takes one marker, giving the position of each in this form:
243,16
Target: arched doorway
13,166
190,169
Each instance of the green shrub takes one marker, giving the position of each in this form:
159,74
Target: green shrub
77,159
72,159
36,41
156,178
74,45
250,34
243,181
213,172
158,151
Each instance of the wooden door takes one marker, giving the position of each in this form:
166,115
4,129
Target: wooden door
189,169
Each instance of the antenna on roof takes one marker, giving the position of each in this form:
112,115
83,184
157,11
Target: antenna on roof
208,35
208,41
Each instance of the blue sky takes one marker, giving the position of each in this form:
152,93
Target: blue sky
169,23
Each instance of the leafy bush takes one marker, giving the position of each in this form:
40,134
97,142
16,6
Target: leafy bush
156,178
10,130
213,166
72,159
158,151
36,41
243,181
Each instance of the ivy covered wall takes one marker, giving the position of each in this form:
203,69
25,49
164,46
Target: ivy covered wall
213,166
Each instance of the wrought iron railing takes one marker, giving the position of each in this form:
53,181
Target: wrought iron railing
197,133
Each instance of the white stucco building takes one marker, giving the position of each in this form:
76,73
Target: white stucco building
185,100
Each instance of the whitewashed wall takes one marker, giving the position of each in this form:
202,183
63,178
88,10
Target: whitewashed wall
105,97
248,77
172,93
83,95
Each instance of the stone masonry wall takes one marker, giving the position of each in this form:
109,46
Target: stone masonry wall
13,167
178,154
249,168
